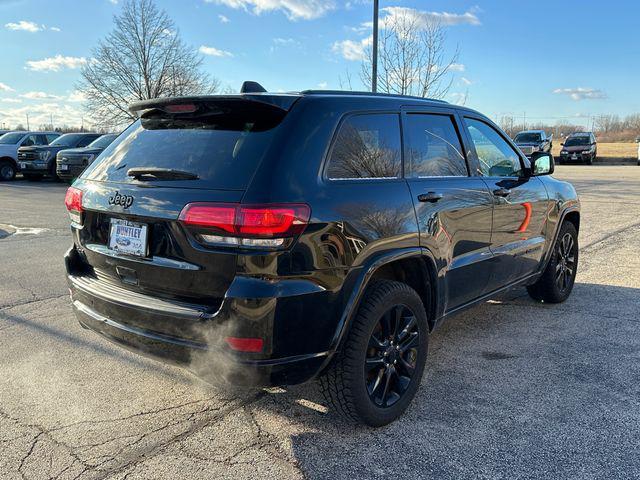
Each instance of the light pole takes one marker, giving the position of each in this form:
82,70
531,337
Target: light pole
374,63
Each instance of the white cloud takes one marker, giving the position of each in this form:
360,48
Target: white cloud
5,88
279,43
424,19
353,50
466,81
115,2
55,64
581,93
39,96
323,85
214,52
11,100
41,113
457,67
76,96
459,98
223,19
25,26
293,9
285,41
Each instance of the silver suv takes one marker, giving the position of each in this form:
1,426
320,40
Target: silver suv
10,142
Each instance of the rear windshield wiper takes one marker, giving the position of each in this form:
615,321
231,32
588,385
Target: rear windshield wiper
149,173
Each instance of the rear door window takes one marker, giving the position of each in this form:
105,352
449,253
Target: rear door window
222,149
433,147
367,146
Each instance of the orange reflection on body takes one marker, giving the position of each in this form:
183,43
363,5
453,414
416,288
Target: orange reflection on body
527,218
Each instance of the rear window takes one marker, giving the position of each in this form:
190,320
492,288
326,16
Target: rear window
222,148
67,140
528,137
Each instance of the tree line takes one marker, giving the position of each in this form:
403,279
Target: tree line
608,128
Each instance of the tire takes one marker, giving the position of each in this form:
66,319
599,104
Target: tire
392,377
549,287
32,177
7,171
589,161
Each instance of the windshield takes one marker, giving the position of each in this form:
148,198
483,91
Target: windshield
577,141
222,149
67,140
528,138
103,141
11,138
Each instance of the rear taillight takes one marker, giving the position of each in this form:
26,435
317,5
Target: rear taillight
254,226
73,202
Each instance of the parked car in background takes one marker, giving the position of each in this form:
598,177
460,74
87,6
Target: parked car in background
10,142
71,163
201,238
531,141
579,147
37,161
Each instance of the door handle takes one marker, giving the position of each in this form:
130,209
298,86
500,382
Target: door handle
431,197
502,192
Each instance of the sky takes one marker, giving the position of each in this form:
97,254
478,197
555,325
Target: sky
546,60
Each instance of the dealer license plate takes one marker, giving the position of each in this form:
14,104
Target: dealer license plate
128,237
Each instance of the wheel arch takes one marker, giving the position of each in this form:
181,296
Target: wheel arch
414,266
572,216
10,160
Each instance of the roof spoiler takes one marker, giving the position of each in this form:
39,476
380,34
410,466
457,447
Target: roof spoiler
189,104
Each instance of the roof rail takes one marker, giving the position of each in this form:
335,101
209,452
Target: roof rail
365,94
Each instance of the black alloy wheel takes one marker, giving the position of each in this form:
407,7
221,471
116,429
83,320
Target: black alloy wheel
566,262
392,355
377,372
556,282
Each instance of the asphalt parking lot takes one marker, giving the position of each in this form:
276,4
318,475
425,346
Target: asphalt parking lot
513,389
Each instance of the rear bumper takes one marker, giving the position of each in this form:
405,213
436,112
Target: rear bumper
192,336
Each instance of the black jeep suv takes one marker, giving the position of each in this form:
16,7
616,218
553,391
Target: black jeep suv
38,161
268,239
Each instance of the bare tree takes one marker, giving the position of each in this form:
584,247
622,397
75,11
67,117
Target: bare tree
411,58
142,58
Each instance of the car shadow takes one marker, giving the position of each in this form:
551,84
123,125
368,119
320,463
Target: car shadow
512,388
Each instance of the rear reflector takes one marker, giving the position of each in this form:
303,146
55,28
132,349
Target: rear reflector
73,202
245,344
271,221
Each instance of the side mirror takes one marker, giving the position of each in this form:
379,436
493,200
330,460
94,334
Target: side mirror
542,164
